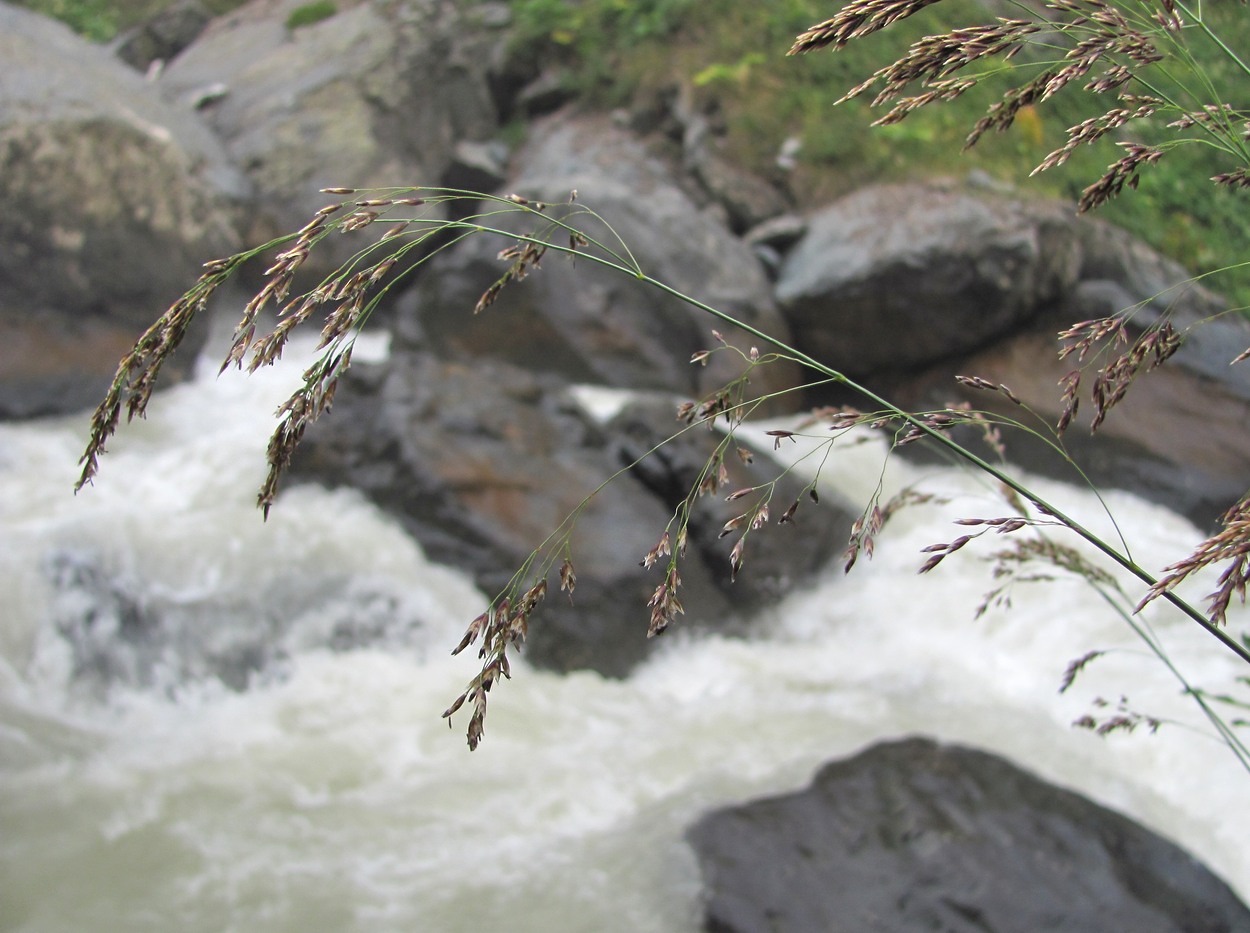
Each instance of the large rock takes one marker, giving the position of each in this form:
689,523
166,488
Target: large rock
1180,435
469,437
468,434
591,324
895,277
377,95
481,461
112,200
906,286
916,836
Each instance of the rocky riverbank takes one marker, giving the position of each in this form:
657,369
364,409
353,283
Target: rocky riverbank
121,173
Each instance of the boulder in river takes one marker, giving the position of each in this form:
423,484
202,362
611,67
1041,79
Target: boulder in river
587,323
469,434
913,835
482,461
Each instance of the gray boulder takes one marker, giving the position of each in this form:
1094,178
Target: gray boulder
587,323
112,200
917,836
895,277
1179,437
377,95
468,434
481,461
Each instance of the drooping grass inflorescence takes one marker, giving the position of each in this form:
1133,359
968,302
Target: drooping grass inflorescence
1134,51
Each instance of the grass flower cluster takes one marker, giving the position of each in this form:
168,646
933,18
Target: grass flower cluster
1135,52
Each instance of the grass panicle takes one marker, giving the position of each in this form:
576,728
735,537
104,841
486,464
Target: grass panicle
1135,51
1138,52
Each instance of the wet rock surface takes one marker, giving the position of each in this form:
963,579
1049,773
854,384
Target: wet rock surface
482,463
913,835
122,631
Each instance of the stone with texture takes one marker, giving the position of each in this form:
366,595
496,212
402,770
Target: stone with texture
895,277
112,200
482,461
377,95
912,836
590,324
1179,436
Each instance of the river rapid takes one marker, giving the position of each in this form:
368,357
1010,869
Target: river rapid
213,723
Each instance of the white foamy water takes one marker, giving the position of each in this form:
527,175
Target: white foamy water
137,792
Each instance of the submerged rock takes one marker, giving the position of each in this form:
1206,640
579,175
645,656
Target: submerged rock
913,835
125,630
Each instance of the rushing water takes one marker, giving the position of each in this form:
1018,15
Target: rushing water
139,791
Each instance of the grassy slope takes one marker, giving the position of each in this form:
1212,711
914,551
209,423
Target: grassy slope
733,52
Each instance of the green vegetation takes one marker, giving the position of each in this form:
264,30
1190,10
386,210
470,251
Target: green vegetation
310,13
602,26
98,20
